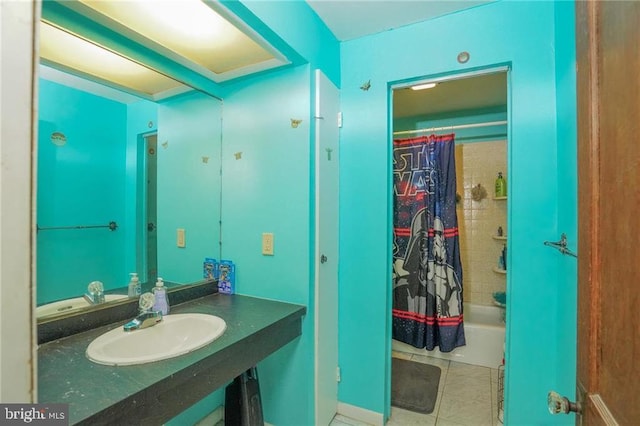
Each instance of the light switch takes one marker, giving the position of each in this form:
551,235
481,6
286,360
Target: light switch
267,243
181,239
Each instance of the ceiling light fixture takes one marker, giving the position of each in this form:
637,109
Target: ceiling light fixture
190,29
62,49
423,86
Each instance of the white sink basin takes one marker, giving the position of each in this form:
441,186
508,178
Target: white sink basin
175,335
69,305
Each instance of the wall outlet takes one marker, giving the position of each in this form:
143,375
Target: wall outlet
181,238
267,243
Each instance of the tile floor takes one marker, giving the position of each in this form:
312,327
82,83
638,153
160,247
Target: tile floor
467,396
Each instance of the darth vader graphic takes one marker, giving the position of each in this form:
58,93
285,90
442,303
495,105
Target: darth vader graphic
423,280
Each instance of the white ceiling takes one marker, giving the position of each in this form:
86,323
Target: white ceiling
349,19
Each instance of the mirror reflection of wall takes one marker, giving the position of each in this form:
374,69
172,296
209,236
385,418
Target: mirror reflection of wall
94,171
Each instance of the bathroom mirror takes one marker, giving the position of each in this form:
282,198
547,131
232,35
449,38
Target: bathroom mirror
124,184
128,183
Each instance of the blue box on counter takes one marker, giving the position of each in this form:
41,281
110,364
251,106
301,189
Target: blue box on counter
210,268
227,277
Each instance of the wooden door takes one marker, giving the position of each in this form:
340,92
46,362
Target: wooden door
608,79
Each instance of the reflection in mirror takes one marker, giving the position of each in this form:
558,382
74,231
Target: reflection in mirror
128,180
119,178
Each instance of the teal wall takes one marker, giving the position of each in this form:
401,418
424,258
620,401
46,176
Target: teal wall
93,179
80,183
268,190
521,35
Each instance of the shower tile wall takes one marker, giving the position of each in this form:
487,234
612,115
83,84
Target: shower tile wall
479,163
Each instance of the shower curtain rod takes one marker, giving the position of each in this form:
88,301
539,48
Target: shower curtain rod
459,126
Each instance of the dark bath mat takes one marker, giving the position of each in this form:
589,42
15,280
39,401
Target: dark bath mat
414,386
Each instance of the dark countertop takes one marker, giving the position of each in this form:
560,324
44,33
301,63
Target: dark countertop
155,392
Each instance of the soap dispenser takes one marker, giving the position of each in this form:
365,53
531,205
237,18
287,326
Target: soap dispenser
161,302
134,285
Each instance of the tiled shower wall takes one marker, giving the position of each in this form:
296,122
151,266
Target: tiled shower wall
478,221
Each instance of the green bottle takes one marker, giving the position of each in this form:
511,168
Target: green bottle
501,186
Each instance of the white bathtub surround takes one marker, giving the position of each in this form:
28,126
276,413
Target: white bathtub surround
484,332
478,221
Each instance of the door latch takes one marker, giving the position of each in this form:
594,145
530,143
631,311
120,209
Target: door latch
323,259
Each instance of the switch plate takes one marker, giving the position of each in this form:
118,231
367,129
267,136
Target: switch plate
267,243
180,237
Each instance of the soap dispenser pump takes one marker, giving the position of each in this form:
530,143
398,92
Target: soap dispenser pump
161,302
134,285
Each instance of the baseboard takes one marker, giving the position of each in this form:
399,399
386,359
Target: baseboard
212,418
361,414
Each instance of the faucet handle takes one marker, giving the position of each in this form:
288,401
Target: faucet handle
95,287
146,302
95,290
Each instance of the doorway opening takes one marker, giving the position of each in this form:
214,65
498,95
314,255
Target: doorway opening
469,111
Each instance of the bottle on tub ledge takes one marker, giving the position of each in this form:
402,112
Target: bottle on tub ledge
501,186
161,301
503,256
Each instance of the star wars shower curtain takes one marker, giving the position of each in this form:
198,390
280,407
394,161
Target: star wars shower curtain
427,273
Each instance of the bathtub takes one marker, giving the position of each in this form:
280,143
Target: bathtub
484,333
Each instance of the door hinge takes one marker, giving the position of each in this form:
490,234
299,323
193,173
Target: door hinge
338,377
340,119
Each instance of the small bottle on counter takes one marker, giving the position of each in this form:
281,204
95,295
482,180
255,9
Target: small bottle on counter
134,289
499,231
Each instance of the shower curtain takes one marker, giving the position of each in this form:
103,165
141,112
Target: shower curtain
427,273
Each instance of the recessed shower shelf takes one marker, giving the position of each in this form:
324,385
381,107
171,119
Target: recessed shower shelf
500,237
500,198
499,271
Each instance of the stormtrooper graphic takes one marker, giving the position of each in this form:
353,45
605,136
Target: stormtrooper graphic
422,278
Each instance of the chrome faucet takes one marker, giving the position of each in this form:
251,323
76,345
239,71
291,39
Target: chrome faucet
95,293
144,320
